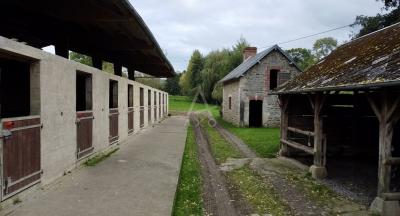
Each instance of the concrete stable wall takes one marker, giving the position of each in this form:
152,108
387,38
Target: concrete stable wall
57,96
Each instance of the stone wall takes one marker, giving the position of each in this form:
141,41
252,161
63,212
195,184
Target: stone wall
231,90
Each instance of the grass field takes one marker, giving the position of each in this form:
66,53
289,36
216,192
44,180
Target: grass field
180,104
188,199
264,141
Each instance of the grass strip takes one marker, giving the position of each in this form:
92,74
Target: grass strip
100,157
188,199
220,148
258,192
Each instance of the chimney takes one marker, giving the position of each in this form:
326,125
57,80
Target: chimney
249,52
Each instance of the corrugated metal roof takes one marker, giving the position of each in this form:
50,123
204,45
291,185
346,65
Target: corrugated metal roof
250,62
369,61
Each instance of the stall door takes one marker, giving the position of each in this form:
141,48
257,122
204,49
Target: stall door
84,114
114,113
141,107
21,154
130,109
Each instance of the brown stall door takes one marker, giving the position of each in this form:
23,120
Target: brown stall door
21,154
141,107
84,125
130,109
114,126
155,107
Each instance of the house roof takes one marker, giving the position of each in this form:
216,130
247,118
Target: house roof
111,30
250,62
370,61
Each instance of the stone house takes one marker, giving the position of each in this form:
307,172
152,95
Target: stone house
245,89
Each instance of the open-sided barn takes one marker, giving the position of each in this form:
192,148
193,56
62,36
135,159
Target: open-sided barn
56,112
341,116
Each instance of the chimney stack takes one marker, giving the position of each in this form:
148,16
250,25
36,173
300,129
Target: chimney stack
249,52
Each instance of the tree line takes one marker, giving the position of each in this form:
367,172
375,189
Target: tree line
204,71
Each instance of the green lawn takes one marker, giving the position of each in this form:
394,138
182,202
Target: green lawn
188,199
264,141
183,104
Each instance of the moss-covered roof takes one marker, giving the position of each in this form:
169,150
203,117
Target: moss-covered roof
369,61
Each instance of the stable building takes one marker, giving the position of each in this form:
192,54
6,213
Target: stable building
341,117
246,101
55,112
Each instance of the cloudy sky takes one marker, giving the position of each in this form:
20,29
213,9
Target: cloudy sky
180,26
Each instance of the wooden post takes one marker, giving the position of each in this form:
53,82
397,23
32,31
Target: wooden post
97,63
284,103
117,69
387,116
62,50
131,73
318,169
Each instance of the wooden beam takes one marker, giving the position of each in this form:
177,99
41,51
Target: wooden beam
392,161
391,196
299,146
296,130
62,51
131,74
318,130
117,69
97,63
374,107
284,103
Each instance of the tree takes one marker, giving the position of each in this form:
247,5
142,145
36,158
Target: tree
194,70
184,83
83,59
172,85
302,57
322,47
381,20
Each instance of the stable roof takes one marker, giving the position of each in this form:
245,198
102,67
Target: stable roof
111,30
367,62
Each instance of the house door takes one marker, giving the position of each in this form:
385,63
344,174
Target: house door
20,127
255,113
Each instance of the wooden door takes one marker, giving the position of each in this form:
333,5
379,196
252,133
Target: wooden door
130,120
113,138
84,127
21,154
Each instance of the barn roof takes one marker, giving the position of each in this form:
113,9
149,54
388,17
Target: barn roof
111,30
250,62
370,61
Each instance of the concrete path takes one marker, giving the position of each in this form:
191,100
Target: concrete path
139,179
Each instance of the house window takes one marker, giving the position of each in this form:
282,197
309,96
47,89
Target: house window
273,79
230,102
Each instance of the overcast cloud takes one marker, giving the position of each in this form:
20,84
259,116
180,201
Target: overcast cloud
180,26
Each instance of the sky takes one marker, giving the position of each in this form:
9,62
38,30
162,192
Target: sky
181,26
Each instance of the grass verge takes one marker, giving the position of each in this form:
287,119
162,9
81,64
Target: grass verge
258,192
264,141
100,157
220,148
188,199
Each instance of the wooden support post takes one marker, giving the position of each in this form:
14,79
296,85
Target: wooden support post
387,116
131,73
117,69
62,50
284,103
97,63
318,169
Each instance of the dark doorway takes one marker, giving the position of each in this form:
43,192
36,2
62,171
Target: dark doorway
14,89
255,113
130,109
273,79
141,107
